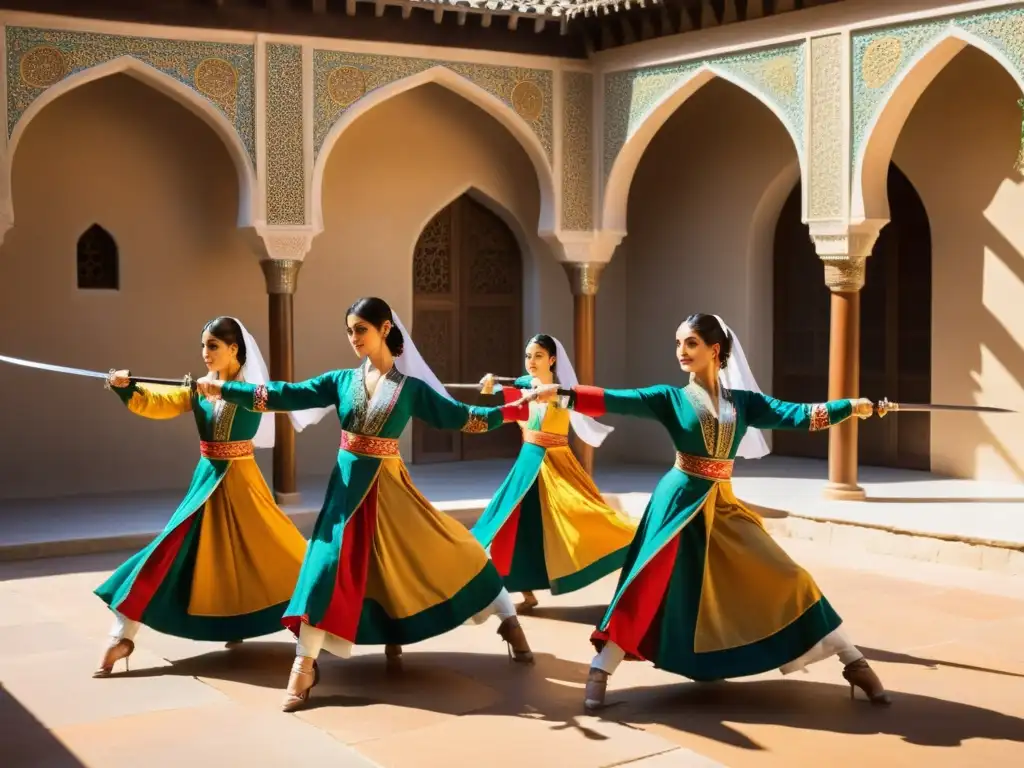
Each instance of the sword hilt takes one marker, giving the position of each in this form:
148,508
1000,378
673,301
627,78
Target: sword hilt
185,381
884,406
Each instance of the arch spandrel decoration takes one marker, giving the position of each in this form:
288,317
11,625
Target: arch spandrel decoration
882,57
775,75
340,79
222,73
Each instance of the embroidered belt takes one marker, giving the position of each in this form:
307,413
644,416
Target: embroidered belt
236,449
544,439
700,466
368,445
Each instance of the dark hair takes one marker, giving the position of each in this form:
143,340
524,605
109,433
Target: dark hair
375,311
546,343
227,330
711,332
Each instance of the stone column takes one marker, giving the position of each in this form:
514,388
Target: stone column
583,277
845,259
281,255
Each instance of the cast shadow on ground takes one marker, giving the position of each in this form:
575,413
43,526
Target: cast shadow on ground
467,684
27,743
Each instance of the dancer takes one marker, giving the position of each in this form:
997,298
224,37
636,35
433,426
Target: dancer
705,591
547,526
383,565
227,562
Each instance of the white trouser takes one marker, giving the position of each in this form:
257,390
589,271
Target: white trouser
312,640
836,643
123,628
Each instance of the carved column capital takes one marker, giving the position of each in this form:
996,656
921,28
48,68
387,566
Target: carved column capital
282,275
584,276
844,249
845,275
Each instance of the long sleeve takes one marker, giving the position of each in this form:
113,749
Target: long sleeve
647,403
442,413
764,412
155,402
319,392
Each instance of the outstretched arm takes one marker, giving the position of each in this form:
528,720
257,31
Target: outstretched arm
765,412
151,401
319,392
647,403
441,413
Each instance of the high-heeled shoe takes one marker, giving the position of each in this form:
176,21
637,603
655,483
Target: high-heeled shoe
597,687
393,657
515,640
530,602
303,678
119,649
859,674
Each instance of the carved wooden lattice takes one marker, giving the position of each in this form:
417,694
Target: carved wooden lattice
467,318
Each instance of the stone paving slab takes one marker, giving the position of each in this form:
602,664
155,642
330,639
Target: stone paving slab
948,642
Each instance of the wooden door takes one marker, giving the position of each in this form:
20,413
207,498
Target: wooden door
467,319
895,328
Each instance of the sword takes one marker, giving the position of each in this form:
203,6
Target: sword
185,381
885,405
484,390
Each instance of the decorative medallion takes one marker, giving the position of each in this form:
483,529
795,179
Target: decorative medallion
881,61
216,78
346,85
780,75
527,100
42,66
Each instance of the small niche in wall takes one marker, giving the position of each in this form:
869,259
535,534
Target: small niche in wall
97,260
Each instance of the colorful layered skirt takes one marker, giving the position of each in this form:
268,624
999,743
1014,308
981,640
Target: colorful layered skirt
383,565
705,591
547,526
225,565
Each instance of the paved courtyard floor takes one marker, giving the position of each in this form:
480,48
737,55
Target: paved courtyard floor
948,642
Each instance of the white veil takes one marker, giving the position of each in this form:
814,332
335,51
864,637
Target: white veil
737,375
411,362
255,372
590,431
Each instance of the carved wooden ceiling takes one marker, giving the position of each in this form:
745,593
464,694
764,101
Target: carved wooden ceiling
572,28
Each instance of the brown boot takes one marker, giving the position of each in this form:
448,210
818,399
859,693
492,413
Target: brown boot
859,674
529,603
118,649
232,644
512,633
597,686
393,657
305,675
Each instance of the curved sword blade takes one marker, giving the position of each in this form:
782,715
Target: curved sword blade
53,368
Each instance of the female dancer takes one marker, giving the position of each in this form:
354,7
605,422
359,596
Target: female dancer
547,526
705,591
383,566
226,564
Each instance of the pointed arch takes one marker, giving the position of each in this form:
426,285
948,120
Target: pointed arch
174,89
616,189
871,165
473,93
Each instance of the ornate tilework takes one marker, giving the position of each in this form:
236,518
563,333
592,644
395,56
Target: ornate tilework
286,178
577,151
825,195
776,74
882,56
337,85
221,72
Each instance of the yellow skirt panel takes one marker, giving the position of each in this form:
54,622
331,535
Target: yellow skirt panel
579,528
249,551
421,557
751,588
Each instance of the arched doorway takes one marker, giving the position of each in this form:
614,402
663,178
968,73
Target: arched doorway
895,328
467,318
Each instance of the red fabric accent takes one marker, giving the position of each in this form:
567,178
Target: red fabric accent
635,621
519,412
589,400
504,545
153,571
511,394
343,611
